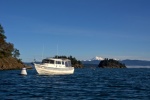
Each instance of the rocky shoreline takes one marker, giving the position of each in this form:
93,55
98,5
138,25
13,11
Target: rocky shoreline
10,63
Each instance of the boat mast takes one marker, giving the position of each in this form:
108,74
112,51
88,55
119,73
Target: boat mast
43,52
57,51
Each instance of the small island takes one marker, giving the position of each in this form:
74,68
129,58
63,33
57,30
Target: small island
111,63
9,56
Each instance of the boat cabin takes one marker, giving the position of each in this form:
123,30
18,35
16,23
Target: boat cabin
54,62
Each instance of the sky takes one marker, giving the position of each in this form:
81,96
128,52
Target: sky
82,28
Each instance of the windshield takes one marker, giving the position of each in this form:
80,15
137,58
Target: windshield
68,63
48,61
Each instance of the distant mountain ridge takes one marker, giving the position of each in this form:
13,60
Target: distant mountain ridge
99,58
136,62
96,60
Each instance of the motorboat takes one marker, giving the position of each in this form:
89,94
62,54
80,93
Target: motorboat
54,66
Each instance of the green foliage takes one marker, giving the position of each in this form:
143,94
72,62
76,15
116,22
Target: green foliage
111,63
60,57
2,36
16,53
6,48
20,61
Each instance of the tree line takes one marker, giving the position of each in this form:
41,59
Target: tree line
6,48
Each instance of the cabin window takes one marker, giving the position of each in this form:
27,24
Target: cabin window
58,62
63,63
51,61
48,61
67,63
45,61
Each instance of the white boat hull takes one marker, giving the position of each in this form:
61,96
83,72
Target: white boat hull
43,70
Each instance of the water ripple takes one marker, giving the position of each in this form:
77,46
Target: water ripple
85,83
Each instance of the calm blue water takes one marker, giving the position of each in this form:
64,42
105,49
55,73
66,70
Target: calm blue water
84,84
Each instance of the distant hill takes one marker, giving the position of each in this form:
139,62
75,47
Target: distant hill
111,63
136,62
127,62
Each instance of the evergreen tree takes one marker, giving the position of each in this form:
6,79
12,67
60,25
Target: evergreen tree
2,36
16,53
6,48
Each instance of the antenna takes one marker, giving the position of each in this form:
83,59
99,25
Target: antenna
57,51
43,52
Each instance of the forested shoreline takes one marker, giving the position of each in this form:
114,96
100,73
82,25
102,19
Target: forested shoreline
9,55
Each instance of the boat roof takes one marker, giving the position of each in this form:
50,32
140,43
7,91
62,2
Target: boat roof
57,59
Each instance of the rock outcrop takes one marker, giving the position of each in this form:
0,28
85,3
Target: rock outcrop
77,66
111,63
10,63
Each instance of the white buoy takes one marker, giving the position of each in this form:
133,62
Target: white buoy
23,71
